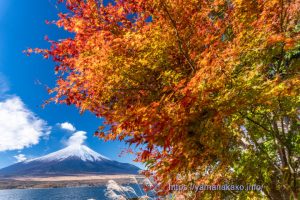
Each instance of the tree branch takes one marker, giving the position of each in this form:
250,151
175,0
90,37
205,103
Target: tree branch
179,39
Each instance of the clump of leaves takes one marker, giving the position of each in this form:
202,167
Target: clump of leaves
209,90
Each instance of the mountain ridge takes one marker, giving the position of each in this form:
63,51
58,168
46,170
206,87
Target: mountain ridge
72,160
81,151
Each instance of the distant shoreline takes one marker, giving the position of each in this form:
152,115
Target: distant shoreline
64,181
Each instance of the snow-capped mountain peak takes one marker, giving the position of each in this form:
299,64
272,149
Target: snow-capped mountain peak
72,160
81,152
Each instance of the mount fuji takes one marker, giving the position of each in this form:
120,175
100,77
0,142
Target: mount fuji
72,160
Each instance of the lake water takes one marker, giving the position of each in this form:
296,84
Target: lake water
80,193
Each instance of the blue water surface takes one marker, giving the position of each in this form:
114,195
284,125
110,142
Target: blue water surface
79,193
69,193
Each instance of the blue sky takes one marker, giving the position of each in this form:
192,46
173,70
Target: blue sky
36,131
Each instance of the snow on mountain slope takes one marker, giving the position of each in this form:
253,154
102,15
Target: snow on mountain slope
81,152
72,160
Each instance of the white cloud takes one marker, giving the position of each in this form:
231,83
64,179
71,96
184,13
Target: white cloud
67,126
77,138
20,157
19,127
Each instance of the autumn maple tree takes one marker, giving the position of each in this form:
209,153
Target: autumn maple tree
207,90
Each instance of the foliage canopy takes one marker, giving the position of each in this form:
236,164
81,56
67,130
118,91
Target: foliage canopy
208,89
